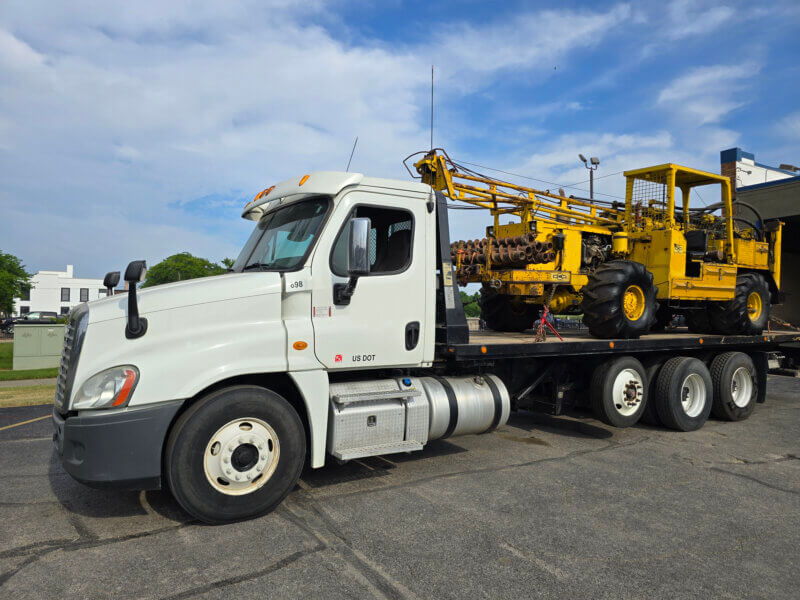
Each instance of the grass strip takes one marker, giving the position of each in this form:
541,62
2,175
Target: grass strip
27,395
28,374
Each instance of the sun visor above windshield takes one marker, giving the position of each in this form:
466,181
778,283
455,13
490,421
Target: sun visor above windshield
317,182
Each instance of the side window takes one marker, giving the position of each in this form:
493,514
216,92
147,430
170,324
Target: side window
390,241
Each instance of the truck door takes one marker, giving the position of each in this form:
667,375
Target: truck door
383,323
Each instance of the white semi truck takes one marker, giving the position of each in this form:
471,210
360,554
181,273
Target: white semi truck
340,333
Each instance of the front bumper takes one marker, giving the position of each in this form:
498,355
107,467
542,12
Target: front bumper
120,450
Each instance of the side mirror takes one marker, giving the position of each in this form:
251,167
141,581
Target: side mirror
358,257
135,273
357,260
110,281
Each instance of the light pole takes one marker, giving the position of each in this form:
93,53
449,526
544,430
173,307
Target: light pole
592,165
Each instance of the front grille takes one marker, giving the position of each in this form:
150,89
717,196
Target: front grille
73,341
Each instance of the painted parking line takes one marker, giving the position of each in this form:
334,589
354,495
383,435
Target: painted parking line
24,422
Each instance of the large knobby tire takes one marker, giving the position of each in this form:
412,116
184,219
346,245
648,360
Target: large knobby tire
506,313
683,393
619,391
735,386
619,300
223,438
650,413
748,312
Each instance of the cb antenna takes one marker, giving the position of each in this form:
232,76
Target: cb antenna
431,108
353,151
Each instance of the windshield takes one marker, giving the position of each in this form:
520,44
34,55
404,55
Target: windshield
283,237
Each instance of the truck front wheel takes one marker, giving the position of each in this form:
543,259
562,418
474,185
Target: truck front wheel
235,454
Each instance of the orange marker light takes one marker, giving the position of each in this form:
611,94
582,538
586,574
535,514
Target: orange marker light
300,345
303,180
610,344
130,377
701,340
261,194
483,349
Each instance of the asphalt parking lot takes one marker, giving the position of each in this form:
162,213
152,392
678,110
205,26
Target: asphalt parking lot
546,506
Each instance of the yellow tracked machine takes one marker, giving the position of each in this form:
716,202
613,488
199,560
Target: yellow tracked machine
628,268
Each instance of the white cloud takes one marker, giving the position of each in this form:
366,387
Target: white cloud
537,40
118,117
706,94
690,17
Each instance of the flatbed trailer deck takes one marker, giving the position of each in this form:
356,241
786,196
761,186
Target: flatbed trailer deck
501,345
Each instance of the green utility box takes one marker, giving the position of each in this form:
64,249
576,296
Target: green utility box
37,346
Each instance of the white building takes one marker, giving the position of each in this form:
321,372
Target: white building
744,171
58,291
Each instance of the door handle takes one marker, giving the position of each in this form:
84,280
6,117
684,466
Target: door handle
412,335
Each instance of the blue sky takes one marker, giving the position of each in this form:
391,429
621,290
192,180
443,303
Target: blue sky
136,130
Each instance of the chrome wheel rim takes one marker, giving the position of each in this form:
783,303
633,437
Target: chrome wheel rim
693,395
627,392
741,387
241,456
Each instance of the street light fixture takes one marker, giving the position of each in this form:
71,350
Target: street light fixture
592,165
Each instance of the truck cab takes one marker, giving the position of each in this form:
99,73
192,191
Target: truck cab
335,287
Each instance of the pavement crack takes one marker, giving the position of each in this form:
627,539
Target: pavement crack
750,478
4,577
72,544
303,510
495,469
277,566
83,532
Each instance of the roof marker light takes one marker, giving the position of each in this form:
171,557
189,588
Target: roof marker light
303,180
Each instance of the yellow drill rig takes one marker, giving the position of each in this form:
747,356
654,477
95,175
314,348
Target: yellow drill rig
613,263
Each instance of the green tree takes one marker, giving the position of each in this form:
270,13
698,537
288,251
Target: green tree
179,267
227,263
471,306
14,281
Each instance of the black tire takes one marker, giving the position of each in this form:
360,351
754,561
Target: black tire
506,313
735,386
603,296
184,458
674,383
650,413
733,318
621,407
697,321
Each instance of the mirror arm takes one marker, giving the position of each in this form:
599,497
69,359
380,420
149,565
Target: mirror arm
342,292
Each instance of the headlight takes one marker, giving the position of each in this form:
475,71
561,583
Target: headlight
111,388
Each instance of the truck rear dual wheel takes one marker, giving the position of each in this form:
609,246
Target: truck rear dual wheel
506,313
619,391
735,386
683,393
748,312
234,454
619,300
